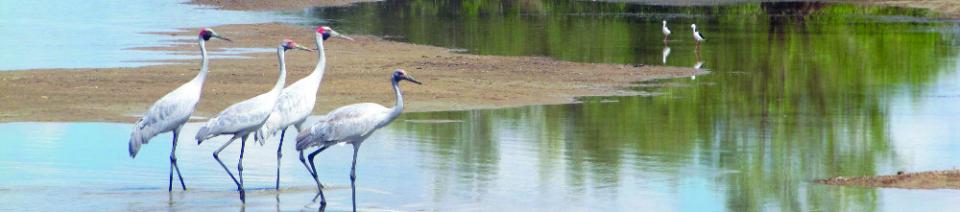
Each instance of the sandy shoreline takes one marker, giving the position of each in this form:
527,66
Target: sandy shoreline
357,72
949,179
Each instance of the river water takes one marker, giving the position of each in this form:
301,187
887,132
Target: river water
46,34
797,92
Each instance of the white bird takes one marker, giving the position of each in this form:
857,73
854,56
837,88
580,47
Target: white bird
666,53
245,117
173,110
666,31
351,124
296,102
697,66
696,35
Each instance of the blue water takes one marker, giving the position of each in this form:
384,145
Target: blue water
97,34
790,100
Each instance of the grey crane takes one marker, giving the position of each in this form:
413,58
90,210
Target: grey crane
245,117
296,102
173,110
351,124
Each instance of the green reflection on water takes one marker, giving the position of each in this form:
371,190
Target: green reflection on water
799,91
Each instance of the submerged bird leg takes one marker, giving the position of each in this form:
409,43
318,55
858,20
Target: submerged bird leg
173,163
173,149
243,145
216,155
353,175
313,172
279,155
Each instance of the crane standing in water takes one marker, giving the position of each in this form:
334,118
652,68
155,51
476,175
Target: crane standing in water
245,117
173,110
351,124
296,102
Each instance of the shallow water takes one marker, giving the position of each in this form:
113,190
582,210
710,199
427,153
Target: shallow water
796,92
99,34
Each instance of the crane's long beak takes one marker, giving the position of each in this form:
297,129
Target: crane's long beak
304,48
222,38
337,34
411,79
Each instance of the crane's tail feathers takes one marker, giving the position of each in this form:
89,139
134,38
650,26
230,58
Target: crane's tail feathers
137,139
203,134
310,137
259,137
269,128
304,139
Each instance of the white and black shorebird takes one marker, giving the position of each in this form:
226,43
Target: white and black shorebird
696,35
173,110
242,119
351,124
296,102
666,31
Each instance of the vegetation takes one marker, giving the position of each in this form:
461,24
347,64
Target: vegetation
799,91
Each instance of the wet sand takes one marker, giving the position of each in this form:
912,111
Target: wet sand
948,8
357,72
949,179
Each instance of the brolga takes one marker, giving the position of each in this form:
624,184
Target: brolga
171,111
696,35
351,124
296,102
666,32
242,119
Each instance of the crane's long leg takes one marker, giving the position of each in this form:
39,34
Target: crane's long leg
173,163
353,175
313,173
173,149
283,132
243,145
216,155
304,161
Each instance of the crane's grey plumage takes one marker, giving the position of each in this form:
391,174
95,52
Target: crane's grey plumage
245,117
296,102
350,124
173,110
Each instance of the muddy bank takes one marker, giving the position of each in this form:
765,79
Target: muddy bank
357,72
949,179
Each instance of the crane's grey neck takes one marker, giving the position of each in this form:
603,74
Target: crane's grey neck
317,74
203,61
283,70
398,107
